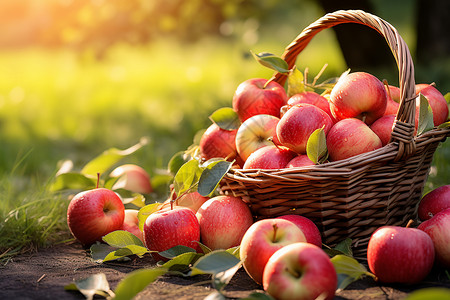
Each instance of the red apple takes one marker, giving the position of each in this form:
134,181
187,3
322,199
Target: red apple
434,202
262,239
217,142
350,137
311,98
309,229
300,271
269,157
358,95
131,223
252,97
133,178
223,221
298,123
438,228
301,160
167,229
436,101
393,100
94,213
400,254
383,128
256,133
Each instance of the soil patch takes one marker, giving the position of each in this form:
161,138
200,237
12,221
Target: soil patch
44,274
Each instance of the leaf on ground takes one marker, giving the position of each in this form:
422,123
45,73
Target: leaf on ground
348,270
125,252
211,177
205,249
258,296
175,251
226,118
96,284
429,293
235,251
100,251
214,262
182,262
136,281
221,279
122,238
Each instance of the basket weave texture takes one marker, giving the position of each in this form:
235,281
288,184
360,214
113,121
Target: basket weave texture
349,198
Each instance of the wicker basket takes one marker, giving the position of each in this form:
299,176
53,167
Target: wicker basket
352,197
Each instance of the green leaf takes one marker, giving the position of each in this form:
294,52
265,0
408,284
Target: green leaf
214,262
73,181
136,281
258,296
444,125
429,293
211,177
221,279
348,270
345,247
425,116
96,284
137,200
187,177
271,61
234,251
182,262
145,211
316,146
175,162
226,118
122,238
204,248
125,252
175,251
108,158
296,83
100,251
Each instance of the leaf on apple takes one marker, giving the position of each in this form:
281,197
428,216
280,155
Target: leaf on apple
145,211
272,61
187,177
211,177
214,262
425,115
296,84
316,146
226,118
72,181
348,270
96,284
136,281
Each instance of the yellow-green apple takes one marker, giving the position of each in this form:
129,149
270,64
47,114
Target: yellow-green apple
298,123
309,229
256,132
393,100
133,178
218,142
300,160
398,254
311,98
94,213
269,157
262,239
131,223
383,128
255,96
433,202
358,95
350,137
191,200
436,101
166,229
438,229
300,271
223,221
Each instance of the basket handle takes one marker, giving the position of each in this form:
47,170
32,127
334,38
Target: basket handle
403,130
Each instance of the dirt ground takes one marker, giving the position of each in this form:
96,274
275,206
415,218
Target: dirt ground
44,274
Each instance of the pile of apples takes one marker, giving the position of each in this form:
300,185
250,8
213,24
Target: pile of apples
356,116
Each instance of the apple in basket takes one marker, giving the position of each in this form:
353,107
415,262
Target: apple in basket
393,100
218,142
262,239
311,98
255,96
269,157
300,271
434,202
256,132
300,160
358,95
400,254
383,128
350,137
298,123
436,101
309,229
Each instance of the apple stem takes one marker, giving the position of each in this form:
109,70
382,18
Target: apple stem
275,228
410,222
386,84
98,179
293,273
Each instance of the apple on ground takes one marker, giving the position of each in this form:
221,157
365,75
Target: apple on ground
350,137
223,221
438,229
269,157
311,98
300,271
131,223
218,143
132,178
358,95
262,239
300,160
166,229
93,214
298,123
309,229
398,254
383,128
436,101
256,132
255,96
434,202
